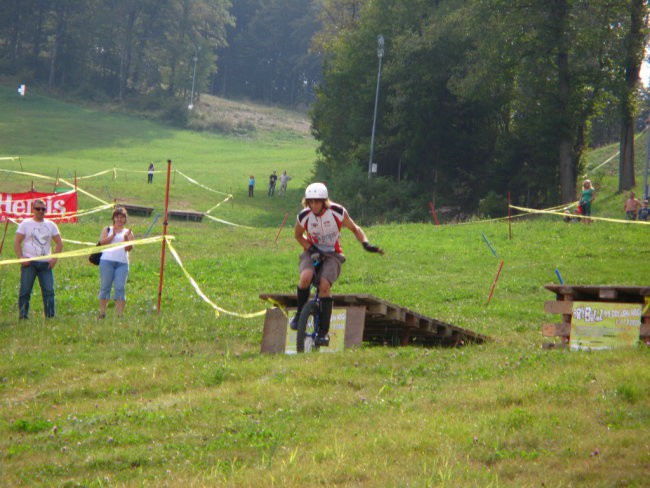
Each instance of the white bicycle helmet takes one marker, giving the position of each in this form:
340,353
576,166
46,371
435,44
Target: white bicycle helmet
316,191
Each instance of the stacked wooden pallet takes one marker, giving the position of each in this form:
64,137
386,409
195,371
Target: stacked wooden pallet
566,295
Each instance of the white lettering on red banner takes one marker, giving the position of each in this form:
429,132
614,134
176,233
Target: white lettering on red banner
61,207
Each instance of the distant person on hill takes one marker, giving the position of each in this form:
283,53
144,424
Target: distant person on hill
317,230
631,207
114,263
587,197
251,186
34,238
284,179
272,180
644,212
150,171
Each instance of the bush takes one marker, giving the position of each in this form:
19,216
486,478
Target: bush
175,113
493,206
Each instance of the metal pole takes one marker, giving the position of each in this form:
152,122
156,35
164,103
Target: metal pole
164,242
191,105
380,55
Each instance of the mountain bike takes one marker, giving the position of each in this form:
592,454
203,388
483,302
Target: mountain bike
309,319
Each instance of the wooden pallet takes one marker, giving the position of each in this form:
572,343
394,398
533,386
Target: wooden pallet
567,294
186,215
386,323
137,209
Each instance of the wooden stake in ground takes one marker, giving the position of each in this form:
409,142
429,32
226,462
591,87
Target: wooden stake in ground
281,226
494,283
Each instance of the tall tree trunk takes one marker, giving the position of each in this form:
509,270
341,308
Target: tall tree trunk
634,48
565,141
57,44
125,55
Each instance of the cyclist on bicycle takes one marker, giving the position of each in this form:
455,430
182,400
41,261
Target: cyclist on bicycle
317,230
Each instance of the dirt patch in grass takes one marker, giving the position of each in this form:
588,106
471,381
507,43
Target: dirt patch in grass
228,116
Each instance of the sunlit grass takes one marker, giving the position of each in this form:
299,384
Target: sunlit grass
184,398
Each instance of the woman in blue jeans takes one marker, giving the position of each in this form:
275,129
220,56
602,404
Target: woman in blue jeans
114,263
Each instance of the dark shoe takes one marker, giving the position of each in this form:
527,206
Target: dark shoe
293,323
323,341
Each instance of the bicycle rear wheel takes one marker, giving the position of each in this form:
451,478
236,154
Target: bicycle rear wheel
305,333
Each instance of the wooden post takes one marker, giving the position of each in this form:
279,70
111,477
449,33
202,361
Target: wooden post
433,212
509,218
494,283
283,221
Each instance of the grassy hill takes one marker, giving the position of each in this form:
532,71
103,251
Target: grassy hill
184,398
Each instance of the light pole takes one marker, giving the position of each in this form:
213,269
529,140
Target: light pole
380,54
195,59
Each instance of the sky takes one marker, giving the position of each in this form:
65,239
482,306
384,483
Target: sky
645,74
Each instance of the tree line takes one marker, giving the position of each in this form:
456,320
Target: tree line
477,98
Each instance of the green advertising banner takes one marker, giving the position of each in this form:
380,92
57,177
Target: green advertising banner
604,325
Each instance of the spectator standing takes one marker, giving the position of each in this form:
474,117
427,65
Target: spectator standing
34,238
114,263
251,186
150,171
272,180
284,179
631,207
587,197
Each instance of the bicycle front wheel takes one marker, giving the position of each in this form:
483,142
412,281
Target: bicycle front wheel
305,334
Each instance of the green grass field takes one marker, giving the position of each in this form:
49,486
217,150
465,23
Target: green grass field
184,398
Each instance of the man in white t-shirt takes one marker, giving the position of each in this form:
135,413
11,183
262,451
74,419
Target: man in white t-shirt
34,238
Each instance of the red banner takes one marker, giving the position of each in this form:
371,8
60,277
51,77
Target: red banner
61,207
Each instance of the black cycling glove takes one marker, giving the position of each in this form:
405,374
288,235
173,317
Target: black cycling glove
370,248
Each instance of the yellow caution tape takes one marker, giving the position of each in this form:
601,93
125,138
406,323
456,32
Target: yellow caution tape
562,214
277,304
226,222
227,199
106,171
196,287
202,186
84,192
87,251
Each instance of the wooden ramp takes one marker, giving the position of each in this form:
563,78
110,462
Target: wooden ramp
374,320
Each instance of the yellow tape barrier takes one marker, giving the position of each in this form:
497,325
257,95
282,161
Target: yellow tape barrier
227,199
198,290
226,222
562,214
202,186
87,250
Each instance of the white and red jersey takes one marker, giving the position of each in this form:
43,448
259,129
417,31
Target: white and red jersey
324,230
